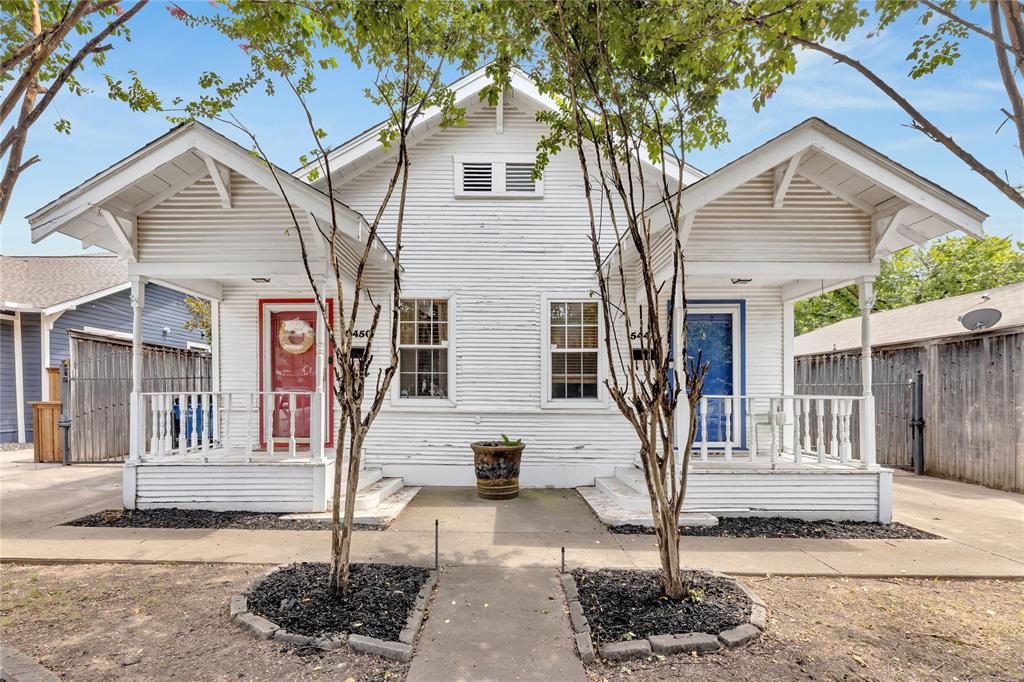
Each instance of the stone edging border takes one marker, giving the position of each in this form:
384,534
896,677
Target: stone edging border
663,644
400,651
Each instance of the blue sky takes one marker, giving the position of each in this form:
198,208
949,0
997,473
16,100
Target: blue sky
169,57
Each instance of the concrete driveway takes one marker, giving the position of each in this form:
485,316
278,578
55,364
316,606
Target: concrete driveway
35,497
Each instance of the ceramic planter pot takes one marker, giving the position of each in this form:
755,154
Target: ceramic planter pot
497,469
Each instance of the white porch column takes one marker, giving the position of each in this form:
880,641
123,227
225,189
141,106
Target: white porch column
788,370
136,419
19,376
318,404
866,298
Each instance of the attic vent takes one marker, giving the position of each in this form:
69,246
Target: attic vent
476,177
519,177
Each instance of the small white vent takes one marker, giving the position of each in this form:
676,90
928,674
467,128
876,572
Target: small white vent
519,178
476,177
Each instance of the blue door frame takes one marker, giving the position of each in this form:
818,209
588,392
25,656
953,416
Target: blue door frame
716,383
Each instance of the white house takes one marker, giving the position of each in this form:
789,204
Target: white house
499,327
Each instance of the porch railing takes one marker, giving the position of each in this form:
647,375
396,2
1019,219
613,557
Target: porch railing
223,424
777,428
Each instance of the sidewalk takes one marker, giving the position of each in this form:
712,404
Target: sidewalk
983,530
497,624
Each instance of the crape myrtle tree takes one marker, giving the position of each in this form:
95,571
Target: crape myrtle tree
407,45
41,56
637,86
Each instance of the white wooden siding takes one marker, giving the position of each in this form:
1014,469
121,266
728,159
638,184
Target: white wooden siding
194,226
805,494
279,487
813,225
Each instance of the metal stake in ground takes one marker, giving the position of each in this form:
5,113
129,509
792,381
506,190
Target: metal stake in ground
437,534
563,559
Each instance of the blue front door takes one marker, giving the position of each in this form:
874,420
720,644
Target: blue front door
711,336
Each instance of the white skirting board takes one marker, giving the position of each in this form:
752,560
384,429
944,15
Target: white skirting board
277,487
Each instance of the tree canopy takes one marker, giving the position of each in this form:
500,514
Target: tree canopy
947,267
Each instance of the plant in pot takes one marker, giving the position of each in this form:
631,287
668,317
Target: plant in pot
497,467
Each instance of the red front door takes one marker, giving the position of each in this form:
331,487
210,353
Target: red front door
292,368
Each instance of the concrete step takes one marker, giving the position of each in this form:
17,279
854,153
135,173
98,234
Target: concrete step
377,503
367,477
373,495
623,495
607,508
633,477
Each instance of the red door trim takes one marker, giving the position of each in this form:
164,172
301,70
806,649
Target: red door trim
328,380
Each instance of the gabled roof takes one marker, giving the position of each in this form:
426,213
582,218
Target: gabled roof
366,149
934,319
905,208
102,210
42,283
849,169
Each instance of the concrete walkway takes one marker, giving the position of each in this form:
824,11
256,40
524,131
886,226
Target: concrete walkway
497,624
984,531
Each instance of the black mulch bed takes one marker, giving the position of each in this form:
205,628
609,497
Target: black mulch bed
625,604
758,527
200,518
379,599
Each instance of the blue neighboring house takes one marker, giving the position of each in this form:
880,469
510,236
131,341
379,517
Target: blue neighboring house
42,298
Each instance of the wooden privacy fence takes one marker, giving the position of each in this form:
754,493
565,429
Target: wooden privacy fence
973,402
100,385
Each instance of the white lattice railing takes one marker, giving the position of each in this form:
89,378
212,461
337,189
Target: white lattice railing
781,428
231,423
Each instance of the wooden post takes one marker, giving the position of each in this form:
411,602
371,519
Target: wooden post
866,299
46,441
137,418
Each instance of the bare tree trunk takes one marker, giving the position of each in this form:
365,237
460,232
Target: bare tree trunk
351,486
339,454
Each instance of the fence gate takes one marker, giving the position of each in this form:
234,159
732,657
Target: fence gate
100,385
893,384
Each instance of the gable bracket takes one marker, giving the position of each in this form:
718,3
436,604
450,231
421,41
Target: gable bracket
123,227
783,178
221,179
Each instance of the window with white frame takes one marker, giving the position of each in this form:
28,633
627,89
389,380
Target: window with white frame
423,348
573,332
507,176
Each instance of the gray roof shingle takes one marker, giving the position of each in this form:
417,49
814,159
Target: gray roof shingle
44,281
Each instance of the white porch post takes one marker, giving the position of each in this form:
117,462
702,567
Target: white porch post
318,403
19,376
137,420
866,297
788,372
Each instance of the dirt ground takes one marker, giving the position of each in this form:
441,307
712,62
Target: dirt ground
154,622
169,622
864,629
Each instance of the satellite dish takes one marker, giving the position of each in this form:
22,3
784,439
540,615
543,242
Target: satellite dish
983,318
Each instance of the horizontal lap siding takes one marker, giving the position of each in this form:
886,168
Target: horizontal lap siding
812,226
32,366
8,407
499,257
782,492
194,226
264,488
162,308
